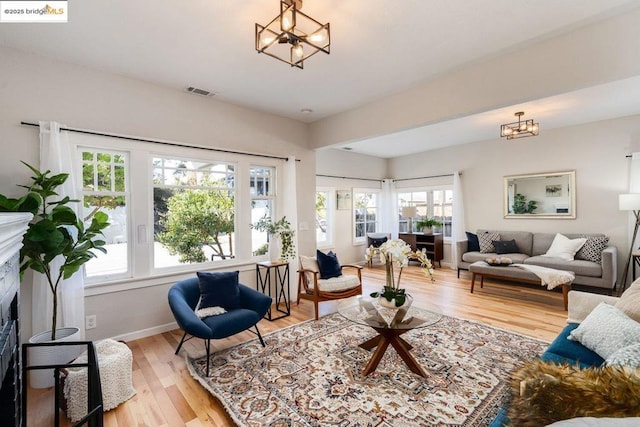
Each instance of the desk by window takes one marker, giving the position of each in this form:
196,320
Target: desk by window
274,276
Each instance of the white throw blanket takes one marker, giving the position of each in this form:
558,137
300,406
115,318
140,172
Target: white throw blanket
548,276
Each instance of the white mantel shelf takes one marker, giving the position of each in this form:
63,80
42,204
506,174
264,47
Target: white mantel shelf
12,226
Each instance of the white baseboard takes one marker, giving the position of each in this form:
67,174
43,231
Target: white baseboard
143,333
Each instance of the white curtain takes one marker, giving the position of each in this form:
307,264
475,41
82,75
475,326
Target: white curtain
291,212
389,211
56,155
458,226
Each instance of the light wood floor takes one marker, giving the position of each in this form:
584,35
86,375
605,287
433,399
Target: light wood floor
168,396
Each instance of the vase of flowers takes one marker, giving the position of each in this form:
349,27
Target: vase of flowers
395,254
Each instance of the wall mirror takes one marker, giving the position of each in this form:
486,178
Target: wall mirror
540,195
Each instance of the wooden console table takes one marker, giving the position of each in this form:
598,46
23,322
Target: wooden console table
433,244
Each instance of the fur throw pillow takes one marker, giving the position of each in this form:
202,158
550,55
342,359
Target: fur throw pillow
543,393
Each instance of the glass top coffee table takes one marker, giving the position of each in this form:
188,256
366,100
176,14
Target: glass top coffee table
389,324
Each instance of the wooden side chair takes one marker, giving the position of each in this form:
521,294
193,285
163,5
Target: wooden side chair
312,287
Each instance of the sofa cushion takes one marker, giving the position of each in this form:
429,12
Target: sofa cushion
564,248
473,245
563,350
335,284
524,239
486,242
626,356
606,330
472,257
629,301
506,247
580,268
592,248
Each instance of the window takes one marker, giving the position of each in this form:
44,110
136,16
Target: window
173,209
365,214
194,213
324,217
436,203
262,200
104,187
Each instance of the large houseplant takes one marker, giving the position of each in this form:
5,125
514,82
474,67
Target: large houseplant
55,231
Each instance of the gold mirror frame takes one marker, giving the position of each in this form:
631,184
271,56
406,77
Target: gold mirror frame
554,194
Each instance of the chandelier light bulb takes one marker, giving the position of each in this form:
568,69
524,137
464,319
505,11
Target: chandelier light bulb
286,23
298,52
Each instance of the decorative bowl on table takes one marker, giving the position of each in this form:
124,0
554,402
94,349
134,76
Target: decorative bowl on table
499,261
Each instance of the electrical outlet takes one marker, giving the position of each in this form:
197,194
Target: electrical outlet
90,322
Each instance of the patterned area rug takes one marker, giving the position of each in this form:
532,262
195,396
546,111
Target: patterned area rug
309,375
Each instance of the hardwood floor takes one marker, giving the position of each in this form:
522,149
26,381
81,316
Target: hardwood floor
168,396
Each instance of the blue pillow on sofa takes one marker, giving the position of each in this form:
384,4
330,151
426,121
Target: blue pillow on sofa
219,289
473,245
328,265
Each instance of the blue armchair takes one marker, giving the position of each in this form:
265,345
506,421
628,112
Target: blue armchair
183,299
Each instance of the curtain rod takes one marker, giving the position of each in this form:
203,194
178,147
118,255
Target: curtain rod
349,177
426,177
172,144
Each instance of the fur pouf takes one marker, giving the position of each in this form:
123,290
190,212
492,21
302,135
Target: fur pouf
544,393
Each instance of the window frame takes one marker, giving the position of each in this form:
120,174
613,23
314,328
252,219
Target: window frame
78,165
359,240
330,217
429,204
142,272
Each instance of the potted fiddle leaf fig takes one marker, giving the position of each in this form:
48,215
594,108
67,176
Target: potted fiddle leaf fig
55,232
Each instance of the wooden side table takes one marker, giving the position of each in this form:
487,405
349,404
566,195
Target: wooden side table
279,282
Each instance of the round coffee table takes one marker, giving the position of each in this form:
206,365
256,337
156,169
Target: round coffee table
389,324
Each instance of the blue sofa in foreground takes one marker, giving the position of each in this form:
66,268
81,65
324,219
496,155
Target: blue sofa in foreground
564,351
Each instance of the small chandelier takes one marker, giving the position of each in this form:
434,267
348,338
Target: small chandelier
519,129
292,36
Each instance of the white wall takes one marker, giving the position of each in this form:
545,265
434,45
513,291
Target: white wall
596,54
352,165
596,152
35,88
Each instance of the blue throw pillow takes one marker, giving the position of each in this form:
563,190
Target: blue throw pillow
328,265
219,289
473,245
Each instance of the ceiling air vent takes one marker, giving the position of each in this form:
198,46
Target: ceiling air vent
198,91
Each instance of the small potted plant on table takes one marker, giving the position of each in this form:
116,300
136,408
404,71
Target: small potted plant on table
427,224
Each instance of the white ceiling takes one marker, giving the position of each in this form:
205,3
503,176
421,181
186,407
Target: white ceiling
378,48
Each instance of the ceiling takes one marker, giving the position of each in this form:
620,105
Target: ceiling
378,48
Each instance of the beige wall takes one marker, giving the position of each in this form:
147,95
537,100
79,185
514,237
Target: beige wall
35,88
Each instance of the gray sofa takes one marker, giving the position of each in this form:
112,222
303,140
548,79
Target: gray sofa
532,245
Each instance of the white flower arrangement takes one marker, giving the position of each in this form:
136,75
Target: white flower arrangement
396,253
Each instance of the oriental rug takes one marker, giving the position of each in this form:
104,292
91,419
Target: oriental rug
309,374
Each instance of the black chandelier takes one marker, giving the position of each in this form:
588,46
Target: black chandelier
292,36
519,129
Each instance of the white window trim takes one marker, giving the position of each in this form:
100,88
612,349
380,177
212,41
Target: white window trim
331,200
359,241
427,189
140,209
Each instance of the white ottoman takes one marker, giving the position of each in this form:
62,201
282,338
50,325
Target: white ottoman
114,361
